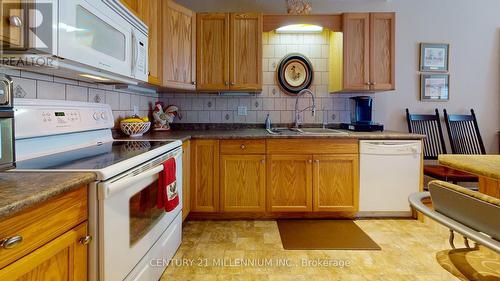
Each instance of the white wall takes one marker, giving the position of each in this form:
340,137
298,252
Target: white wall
471,27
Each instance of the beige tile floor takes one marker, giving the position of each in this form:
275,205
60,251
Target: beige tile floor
218,250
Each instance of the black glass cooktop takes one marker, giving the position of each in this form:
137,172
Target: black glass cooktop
92,157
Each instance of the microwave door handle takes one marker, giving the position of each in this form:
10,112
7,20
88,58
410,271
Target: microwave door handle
122,184
134,53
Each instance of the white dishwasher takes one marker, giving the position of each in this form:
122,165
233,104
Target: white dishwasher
389,173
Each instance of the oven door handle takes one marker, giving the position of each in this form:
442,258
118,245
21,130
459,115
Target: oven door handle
114,187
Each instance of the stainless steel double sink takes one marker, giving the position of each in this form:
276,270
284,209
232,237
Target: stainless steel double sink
306,131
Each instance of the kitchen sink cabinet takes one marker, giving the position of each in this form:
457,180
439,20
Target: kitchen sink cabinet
186,179
243,183
335,183
364,53
54,240
289,187
205,176
150,11
179,46
12,32
229,52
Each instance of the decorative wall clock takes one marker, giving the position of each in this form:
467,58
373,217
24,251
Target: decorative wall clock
294,73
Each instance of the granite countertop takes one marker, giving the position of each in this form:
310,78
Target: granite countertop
481,165
257,133
21,190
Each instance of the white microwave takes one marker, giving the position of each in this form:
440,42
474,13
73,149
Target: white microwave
98,40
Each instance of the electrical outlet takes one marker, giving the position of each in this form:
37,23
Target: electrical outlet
242,111
136,110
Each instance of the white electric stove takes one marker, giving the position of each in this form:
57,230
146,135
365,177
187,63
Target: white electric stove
127,228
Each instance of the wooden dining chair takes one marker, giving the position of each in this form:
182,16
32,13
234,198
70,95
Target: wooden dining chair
464,134
434,144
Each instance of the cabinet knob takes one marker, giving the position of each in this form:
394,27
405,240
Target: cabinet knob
262,162
243,146
193,83
85,240
310,161
226,83
368,83
16,21
11,242
232,83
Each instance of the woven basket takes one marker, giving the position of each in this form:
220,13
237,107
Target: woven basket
135,129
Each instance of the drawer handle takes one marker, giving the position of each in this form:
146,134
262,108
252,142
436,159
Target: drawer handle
85,240
9,243
262,162
243,146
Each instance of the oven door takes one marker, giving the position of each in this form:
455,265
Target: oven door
129,221
6,140
92,33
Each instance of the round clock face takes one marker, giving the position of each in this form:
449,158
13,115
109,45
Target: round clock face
294,74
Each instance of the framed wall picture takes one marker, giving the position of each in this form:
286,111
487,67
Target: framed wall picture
434,57
434,87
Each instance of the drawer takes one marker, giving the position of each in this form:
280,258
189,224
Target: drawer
42,223
243,147
312,146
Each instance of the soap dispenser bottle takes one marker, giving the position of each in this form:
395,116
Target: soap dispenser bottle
268,122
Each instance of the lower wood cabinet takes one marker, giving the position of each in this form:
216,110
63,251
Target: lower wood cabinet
289,184
64,258
205,176
243,183
335,183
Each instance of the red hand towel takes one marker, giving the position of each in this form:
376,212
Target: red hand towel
168,196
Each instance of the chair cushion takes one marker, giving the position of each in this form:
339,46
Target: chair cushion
448,174
471,264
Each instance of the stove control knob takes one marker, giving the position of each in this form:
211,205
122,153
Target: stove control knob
104,116
96,116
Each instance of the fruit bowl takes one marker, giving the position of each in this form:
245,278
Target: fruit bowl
135,129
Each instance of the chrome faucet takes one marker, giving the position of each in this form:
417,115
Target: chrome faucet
297,112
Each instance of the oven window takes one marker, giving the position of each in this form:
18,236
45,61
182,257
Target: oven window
94,33
143,212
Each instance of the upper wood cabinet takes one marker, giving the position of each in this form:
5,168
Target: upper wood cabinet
245,68
229,52
335,183
205,176
179,47
150,12
12,34
132,5
366,49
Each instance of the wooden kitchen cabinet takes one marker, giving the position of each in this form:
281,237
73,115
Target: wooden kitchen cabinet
245,62
12,36
366,49
150,11
132,5
179,46
289,183
229,52
336,183
243,183
186,179
64,258
205,176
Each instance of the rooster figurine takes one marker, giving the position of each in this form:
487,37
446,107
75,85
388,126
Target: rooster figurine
161,118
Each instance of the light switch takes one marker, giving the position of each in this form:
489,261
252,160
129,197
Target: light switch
242,111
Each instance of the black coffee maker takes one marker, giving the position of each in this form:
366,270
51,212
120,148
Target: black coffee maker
361,116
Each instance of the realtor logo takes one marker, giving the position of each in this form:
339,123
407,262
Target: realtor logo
28,30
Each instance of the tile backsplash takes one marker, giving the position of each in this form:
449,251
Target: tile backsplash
211,108
39,86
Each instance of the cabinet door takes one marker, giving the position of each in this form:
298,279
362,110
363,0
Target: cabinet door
212,51
336,183
150,13
382,46
289,183
186,180
205,176
243,183
12,36
133,5
356,51
64,258
179,45
246,52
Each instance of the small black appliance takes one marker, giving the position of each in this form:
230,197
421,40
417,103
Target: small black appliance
361,116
